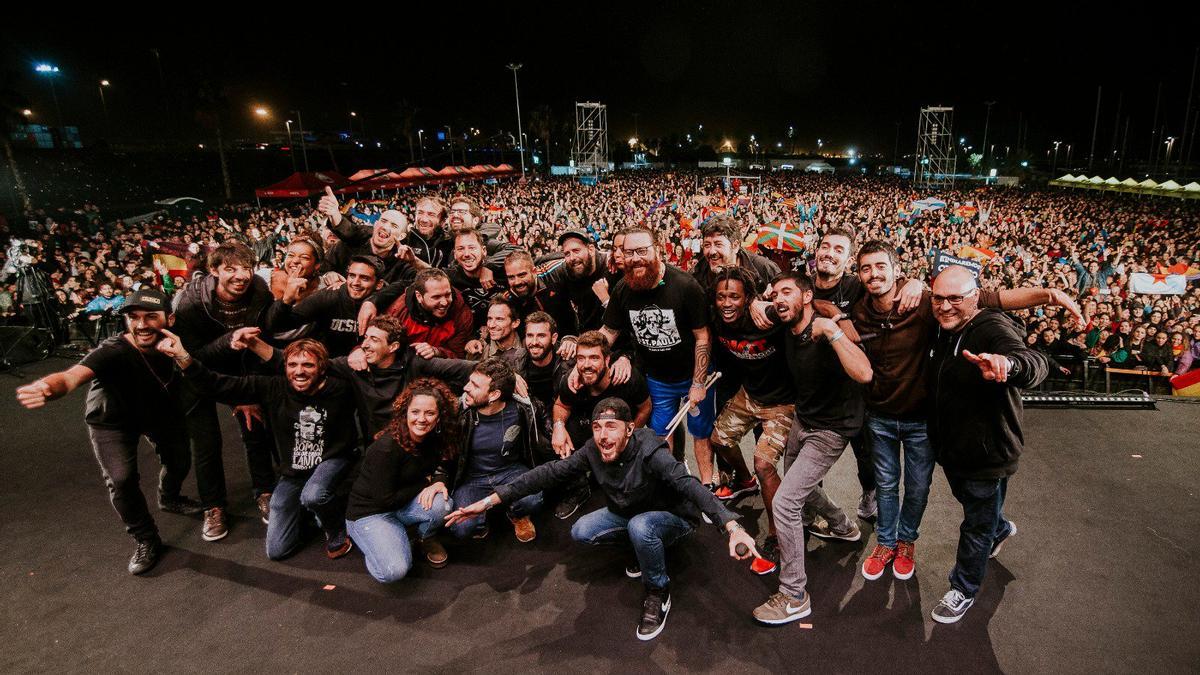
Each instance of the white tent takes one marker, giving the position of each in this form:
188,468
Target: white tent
1096,180
1169,185
1067,177
1129,182
1147,184
1192,187
1112,181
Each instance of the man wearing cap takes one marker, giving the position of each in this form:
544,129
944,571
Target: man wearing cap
584,277
652,502
135,391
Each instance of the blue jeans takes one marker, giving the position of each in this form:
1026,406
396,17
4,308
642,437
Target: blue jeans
383,538
292,495
983,522
665,401
884,436
649,533
478,487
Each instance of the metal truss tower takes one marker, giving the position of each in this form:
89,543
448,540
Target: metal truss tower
590,150
936,158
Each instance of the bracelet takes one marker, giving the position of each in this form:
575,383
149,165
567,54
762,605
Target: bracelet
837,336
560,423
735,526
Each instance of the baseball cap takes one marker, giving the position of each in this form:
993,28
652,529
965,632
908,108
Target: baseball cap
612,408
578,234
149,299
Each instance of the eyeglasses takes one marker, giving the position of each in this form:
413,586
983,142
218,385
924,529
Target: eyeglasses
954,300
643,252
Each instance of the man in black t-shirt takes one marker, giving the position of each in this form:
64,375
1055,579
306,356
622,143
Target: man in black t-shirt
135,392
544,367
827,371
664,309
334,311
573,409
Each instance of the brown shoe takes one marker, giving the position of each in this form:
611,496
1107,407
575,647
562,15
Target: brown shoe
435,553
264,507
524,529
214,524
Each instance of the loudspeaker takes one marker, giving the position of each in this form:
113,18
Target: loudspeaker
23,344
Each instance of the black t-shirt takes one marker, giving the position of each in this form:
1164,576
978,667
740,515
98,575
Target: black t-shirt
473,292
756,357
132,389
845,294
542,380
661,321
583,402
333,312
826,397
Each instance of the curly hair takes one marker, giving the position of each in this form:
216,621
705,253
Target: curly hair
446,435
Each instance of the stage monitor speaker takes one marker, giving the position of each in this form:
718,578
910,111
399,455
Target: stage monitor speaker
23,344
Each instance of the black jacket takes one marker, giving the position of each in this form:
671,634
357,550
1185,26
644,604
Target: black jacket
645,477
356,240
436,251
974,424
589,313
531,448
205,337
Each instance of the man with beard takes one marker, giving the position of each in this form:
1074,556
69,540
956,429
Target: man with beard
429,241
468,274
663,308
333,312
135,392
382,240
980,364
528,294
312,417
721,247
832,282
437,321
207,312
502,339
652,503
572,417
466,214
584,277
898,346
827,371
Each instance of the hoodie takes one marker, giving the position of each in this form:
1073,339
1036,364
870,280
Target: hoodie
206,336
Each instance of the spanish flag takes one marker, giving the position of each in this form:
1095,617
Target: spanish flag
1187,384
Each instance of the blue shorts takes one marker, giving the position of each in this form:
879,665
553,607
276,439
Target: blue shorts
665,399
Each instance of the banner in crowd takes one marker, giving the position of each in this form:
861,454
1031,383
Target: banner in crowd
927,204
1158,284
1187,384
942,260
978,253
779,237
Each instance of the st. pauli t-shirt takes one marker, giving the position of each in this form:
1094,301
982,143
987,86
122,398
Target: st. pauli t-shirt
661,321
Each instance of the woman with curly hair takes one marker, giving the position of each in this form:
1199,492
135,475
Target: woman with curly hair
403,482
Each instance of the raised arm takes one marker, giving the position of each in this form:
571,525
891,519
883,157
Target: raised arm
53,386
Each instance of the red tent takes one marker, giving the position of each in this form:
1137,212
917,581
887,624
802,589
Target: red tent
302,185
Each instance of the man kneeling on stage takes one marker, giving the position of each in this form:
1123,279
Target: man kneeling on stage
652,502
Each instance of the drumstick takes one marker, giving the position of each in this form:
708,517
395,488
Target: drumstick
685,407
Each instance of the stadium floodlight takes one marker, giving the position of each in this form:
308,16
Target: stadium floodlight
27,112
262,112
46,68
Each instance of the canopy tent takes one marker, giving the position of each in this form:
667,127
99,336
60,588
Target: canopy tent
1168,188
302,185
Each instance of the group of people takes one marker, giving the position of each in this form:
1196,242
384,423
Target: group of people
412,373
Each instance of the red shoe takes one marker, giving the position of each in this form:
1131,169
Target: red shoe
906,562
877,562
762,566
733,491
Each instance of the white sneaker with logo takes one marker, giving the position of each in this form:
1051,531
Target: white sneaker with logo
783,608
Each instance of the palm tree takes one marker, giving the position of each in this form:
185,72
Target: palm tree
404,115
541,122
211,105
12,103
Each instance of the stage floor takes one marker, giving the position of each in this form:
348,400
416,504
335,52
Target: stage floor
1096,579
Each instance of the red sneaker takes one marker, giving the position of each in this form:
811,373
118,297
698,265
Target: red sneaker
877,562
734,490
762,566
906,562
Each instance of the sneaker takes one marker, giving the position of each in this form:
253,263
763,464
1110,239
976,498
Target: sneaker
654,613
179,504
952,607
338,545
214,524
571,502
906,560
524,529
783,608
770,548
999,543
145,556
827,532
734,490
868,508
435,553
263,502
762,566
877,562
633,570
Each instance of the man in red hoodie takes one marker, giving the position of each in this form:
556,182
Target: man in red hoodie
437,320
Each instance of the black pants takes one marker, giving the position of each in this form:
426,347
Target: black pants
116,451
983,523
204,430
866,464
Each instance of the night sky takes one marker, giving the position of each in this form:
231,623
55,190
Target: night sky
846,73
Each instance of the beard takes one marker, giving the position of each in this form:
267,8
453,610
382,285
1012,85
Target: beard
643,276
584,269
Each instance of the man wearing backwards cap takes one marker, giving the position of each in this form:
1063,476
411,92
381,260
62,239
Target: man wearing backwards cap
135,392
652,502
